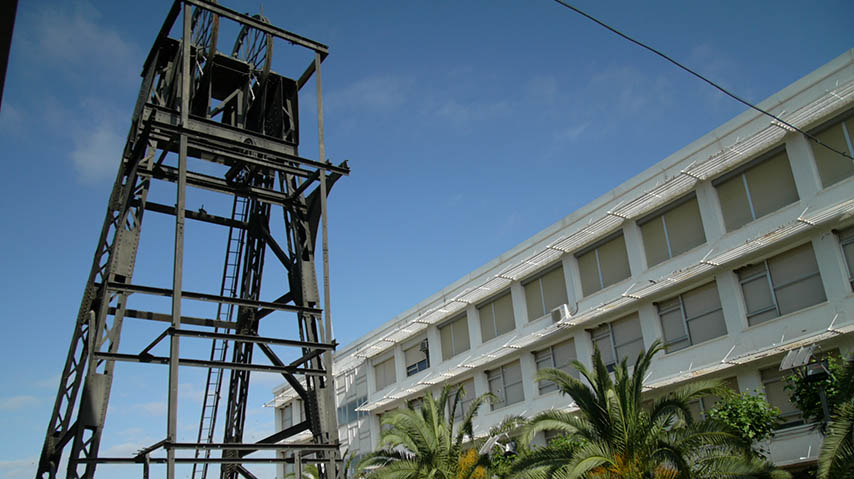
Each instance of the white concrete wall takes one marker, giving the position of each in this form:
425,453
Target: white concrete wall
740,338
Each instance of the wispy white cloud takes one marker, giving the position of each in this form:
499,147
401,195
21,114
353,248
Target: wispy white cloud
18,468
377,93
717,66
17,402
70,37
96,152
49,382
465,114
571,133
154,408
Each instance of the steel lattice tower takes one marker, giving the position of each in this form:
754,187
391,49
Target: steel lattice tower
229,109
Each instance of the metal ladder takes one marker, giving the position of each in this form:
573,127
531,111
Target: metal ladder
219,348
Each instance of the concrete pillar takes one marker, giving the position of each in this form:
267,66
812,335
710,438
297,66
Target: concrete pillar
831,265
573,281
399,364
520,305
529,372
634,248
434,341
650,324
584,348
371,379
710,211
732,302
481,386
804,169
473,318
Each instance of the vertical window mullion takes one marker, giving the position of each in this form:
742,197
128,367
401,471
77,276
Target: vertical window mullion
503,387
847,138
494,321
666,237
685,319
599,269
749,198
771,286
613,343
542,296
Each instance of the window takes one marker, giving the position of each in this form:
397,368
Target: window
846,241
380,417
560,356
787,282
692,317
417,358
833,167
603,264
673,231
506,383
287,416
755,190
347,412
545,293
496,317
774,382
618,340
466,397
384,373
699,407
455,337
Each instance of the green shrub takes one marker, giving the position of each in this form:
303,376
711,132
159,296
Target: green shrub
749,414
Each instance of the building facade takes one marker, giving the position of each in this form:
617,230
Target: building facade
732,251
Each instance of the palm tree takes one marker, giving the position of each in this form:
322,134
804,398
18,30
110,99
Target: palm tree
615,435
836,459
425,442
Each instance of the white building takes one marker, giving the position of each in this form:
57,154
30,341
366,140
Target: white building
733,250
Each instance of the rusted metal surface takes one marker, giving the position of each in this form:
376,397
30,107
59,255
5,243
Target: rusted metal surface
197,103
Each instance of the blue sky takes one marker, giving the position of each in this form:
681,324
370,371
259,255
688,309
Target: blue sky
469,127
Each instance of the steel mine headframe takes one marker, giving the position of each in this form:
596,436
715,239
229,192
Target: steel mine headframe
199,110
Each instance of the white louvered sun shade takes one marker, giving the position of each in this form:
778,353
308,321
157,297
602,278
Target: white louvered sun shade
661,194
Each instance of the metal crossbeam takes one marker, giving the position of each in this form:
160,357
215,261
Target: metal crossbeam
254,137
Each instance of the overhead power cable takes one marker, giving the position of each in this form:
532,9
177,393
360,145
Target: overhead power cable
784,123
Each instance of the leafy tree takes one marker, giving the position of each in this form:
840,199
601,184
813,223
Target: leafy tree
805,393
614,435
749,415
425,442
836,459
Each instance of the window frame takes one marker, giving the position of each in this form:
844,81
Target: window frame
660,213
502,402
742,170
775,303
465,399
685,319
594,248
783,416
845,236
421,364
539,279
491,303
611,366
849,138
450,325
546,387
393,368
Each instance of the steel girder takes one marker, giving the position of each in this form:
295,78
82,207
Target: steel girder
196,103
